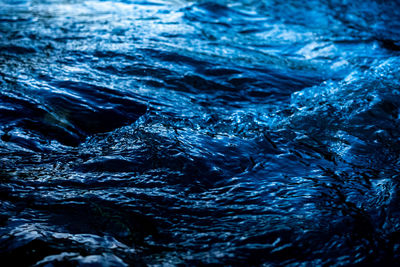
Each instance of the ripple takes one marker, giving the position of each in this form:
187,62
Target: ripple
191,133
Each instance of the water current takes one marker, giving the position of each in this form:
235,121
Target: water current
172,132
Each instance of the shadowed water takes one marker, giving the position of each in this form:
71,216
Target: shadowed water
199,132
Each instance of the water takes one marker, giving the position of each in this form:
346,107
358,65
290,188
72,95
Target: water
199,132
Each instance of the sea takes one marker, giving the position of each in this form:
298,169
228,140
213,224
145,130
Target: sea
199,133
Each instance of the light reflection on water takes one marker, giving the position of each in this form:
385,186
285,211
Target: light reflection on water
199,132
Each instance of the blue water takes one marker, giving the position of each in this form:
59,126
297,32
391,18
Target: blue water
199,132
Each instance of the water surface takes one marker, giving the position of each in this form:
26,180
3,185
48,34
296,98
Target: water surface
199,132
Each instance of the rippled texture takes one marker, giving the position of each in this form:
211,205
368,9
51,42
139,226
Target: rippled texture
199,132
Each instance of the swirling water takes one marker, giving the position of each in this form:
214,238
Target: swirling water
199,132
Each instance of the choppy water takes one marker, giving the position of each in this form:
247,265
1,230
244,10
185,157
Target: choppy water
199,132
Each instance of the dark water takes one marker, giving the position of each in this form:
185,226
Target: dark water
252,132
